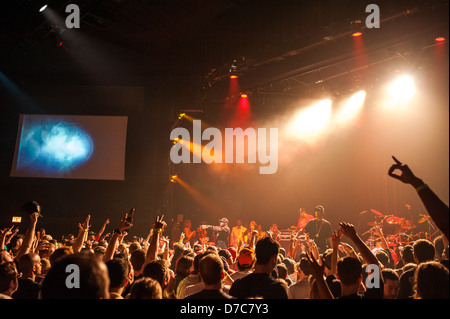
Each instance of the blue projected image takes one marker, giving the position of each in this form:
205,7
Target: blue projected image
53,145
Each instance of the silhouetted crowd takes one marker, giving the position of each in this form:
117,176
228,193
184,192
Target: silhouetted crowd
224,262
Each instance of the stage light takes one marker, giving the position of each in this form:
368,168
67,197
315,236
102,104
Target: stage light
243,95
176,140
173,178
440,39
357,34
402,89
43,8
311,121
351,107
181,115
233,76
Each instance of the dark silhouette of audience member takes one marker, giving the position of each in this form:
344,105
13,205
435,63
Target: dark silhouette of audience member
431,281
423,251
8,279
30,267
145,288
120,272
301,289
91,272
211,273
260,283
391,283
435,207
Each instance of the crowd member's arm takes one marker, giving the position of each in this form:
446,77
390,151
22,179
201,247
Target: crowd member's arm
349,231
166,248
115,238
435,207
3,234
102,229
317,271
335,241
29,236
82,235
152,251
11,234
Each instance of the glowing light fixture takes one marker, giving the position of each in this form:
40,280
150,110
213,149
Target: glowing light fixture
440,39
357,34
352,107
311,121
43,8
402,89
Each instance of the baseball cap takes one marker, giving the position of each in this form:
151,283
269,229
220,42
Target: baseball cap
223,220
246,257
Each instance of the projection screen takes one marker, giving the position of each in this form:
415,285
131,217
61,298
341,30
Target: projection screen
70,146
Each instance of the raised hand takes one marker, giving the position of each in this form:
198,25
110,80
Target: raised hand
348,230
407,176
124,223
336,238
317,270
159,223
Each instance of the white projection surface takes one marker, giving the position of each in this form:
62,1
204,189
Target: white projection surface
70,146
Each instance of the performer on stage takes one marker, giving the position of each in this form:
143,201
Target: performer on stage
320,230
303,219
222,233
237,234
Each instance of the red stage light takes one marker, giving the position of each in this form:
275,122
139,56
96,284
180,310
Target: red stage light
440,39
233,76
357,34
244,95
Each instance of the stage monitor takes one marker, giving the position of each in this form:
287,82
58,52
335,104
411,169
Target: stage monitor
70,146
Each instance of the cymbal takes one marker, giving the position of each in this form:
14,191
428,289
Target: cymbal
423,219
376,212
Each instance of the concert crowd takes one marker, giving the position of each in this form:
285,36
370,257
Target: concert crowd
233,260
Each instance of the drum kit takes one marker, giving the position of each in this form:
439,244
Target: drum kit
398,231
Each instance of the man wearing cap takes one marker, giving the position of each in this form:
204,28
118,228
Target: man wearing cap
244,262
222,233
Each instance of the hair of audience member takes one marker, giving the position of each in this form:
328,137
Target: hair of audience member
431,281
390,274
290,265
133,247
158,270
211,269
438,246
146,288
213,249
60,252
93,279
137,259
184,265
118,270
27,262
8,273
225,253
178,251
408,254
423,250
304,266
265,249
282,271
383,258
349,270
